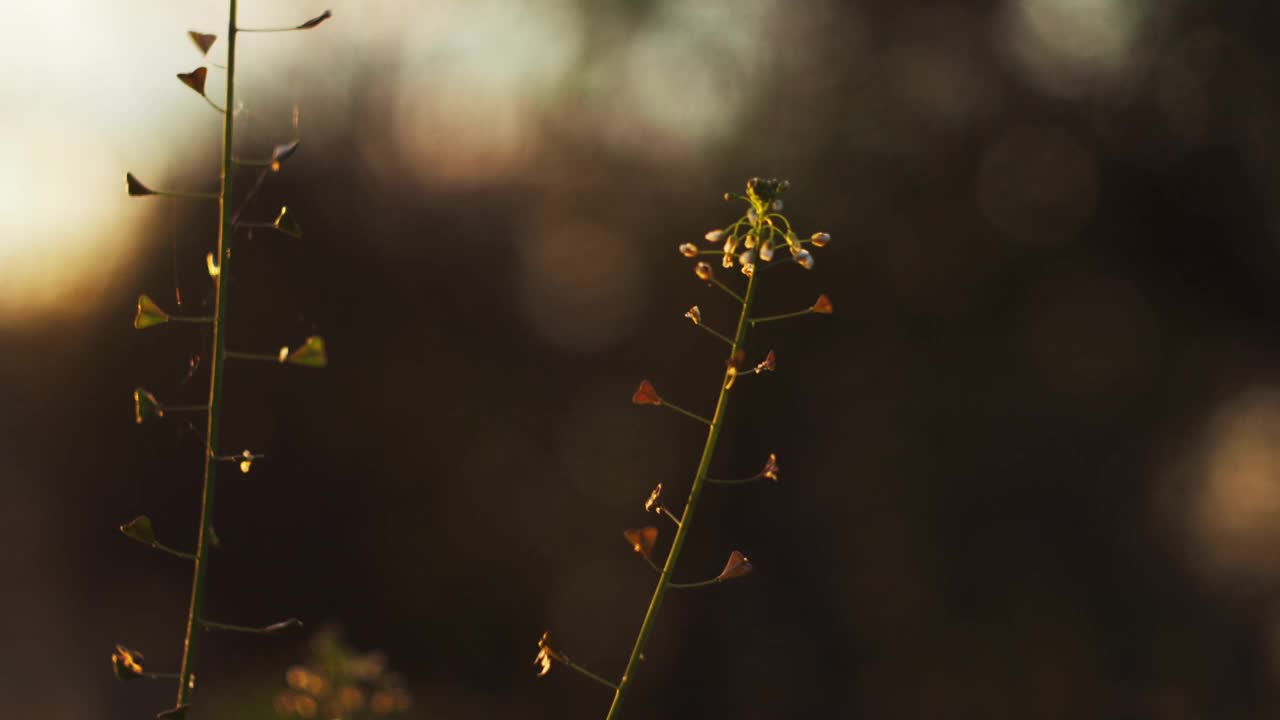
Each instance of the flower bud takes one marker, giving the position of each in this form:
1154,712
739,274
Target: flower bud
771,468
688,250
714,236
820,239
822,305
750,241
140,529
653,504
804,259
766,251
703,271
726,261
646,394
737,566
149,313
311,354
777,205
695,315
642,539
145,406
747,258
124,662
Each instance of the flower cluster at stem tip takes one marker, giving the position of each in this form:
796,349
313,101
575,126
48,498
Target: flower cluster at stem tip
758,235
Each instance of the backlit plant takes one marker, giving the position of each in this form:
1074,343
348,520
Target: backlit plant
339,683
759,240
310,353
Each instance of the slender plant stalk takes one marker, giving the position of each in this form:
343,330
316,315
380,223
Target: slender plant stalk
686,518
191,642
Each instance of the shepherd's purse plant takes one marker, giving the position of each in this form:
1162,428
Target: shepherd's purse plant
127,663
750,244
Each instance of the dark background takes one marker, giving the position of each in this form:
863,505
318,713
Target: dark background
1030,465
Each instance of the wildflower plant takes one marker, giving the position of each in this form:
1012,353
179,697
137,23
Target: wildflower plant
127,663
339,683
761,239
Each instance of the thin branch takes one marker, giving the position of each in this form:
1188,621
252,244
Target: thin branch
716,281
272,629
686,413
575,666
783,316
265,357
740,481
716,333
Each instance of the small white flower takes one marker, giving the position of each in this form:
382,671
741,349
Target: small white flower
714,236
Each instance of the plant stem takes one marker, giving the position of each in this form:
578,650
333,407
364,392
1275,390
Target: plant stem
187,195
686,413
704,465
702,583
740,481
176,553
716,333
671,515
205,543
575,666
783,316
185,408
265,357
727,289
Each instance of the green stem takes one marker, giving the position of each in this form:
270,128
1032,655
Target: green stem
682,586
686,413
686,586
716,333
204,545
188,195
266,357
184,408
269,630
699,479
671,515
783,316
175,553
740,481
575,666
732,294
213,104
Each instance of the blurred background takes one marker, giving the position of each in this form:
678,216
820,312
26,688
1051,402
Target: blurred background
1031,466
